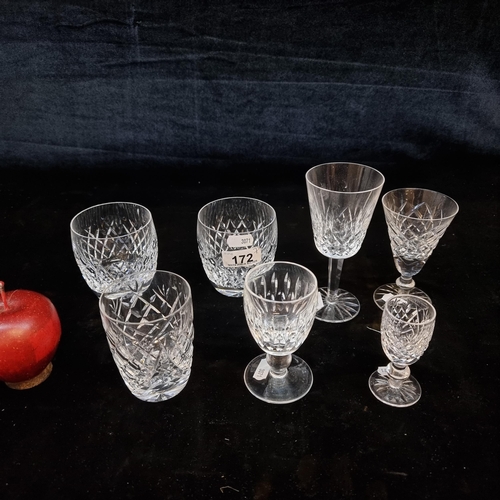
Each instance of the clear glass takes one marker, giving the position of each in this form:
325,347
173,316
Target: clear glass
406,330
234,235
279,301
416,220
150,334
342,198
115,246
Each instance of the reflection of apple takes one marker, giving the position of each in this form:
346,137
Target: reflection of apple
29,334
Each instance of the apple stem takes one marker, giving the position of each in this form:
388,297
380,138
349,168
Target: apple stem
4,297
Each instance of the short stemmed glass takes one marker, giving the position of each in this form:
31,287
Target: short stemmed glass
342,198
416,220
280,301
115,246
406,330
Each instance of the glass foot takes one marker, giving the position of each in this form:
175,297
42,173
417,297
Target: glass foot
394,392
344,308
278,390
384,292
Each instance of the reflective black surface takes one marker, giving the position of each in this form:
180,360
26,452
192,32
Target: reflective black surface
81,434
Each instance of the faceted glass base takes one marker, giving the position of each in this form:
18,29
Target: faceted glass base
394,392
295,384
155,396
344,308
229,292
384,292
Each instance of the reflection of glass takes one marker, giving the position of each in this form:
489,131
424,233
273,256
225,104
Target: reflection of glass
150,334
280,301
416,220
342,197
115,246
406,330
234,235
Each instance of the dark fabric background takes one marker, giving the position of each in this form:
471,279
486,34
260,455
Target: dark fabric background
92,82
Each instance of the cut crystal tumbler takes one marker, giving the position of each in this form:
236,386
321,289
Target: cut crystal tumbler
234,235
279,300
416,220
406,330
115,246
150,334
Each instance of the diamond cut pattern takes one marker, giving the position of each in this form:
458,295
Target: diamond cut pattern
415,231
151,339
407,326
228,217
115,251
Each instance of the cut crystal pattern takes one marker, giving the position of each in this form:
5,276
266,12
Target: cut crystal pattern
406,327
416,220
280,308
228,217
115,249
151,337
342,198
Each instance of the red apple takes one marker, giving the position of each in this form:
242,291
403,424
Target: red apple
29,334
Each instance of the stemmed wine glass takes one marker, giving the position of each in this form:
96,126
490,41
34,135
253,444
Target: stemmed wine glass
279,300
416,220
342,197
406,330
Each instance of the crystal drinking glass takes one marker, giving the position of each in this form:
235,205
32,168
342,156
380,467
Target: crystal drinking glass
234,235
416,219
342,198
150,334
279,301
115,246
406,330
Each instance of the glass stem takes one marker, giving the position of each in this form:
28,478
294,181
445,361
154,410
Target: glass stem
397,374
278,364
334,272
405,283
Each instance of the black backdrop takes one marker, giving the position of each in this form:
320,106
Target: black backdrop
173,104
92,82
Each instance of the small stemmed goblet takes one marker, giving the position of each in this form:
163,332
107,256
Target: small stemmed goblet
279,300
416,220
342,198
115,246
406,330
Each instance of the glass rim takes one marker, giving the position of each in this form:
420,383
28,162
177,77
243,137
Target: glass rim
151,322
457,208
378,186
413,297
131,203
271,222
247,279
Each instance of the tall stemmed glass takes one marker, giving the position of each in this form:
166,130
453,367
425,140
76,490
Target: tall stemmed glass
342,197
279,300
416,220
406,330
